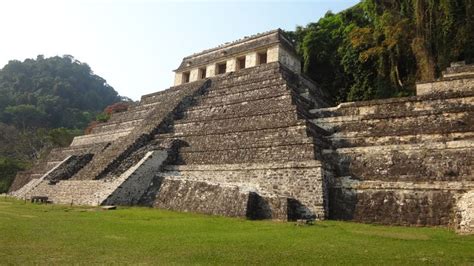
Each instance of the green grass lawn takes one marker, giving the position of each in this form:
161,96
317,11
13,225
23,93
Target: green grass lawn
52,234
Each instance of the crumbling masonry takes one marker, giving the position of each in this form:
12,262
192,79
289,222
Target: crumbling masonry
244,133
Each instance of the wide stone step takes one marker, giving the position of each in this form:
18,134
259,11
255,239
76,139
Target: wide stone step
43,167
450,161
116,126
172,92
145,106
242,80
221,145
398,106
59,154
421,123
356,139
217,91
457,83
248,108
105,137
267,121
151,101
253,138
387,115
247,76
82,192
252,155
251,92
300,180
129,116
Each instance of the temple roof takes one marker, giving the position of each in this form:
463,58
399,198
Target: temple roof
232,48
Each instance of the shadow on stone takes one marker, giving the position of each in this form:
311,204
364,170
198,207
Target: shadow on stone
258,208
297,211
71,167
342,204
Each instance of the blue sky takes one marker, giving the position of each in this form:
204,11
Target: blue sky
135,45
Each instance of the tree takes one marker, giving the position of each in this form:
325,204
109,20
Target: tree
25,116
8,169
379,49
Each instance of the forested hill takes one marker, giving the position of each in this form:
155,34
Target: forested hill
379,49
44,103
52,92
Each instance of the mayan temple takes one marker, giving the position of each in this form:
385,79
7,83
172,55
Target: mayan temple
244,133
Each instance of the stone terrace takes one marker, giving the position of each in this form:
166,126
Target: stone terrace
402,161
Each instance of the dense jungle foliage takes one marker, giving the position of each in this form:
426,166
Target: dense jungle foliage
380,48
44,103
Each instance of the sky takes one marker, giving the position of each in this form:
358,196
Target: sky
135,45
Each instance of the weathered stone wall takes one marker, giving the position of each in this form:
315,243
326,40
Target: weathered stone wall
303,181
396,202
106,137
289,60
219,199
202,197
397,207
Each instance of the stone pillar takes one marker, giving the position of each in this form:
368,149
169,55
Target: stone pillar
272,54
231,65
194,75
251,59
211,70
178,78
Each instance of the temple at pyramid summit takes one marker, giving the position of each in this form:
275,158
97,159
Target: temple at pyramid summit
244,133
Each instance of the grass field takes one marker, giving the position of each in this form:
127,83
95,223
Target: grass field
51,234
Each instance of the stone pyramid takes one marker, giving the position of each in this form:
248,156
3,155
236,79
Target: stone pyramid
244,133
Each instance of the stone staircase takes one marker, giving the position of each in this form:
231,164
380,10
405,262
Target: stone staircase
52,160
114,131
125,189
140,135
34,182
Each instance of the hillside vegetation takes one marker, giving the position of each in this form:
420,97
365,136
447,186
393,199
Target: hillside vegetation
52,92
44,103
52,234
379,49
